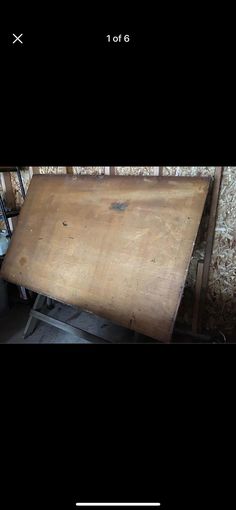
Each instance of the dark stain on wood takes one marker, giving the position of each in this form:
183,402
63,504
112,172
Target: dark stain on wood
119,206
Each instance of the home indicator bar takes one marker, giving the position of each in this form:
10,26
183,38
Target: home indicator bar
119,504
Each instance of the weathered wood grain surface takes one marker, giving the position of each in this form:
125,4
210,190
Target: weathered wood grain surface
116,246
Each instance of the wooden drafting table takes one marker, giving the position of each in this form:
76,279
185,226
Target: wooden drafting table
117,246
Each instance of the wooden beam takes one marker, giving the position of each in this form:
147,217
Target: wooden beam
35,169
210,237
30,172
198,289
8,190
109,170
9,196
69,170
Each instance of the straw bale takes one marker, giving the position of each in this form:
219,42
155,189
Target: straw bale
220,310
88,170
135,170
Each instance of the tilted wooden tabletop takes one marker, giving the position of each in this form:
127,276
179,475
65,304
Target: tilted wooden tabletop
117,246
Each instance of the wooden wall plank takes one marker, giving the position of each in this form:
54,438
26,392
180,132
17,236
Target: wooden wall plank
35,170
198,290
210,238
8,192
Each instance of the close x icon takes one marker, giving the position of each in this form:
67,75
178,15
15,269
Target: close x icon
17,39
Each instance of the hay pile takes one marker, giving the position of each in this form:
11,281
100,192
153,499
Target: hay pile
221,297
16,187
90,170
135,170
220,310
